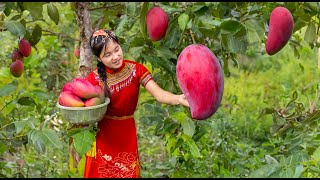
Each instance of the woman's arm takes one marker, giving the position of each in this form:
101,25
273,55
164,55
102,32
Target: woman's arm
165,97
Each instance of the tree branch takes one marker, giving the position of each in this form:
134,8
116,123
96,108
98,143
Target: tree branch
50,33
103,7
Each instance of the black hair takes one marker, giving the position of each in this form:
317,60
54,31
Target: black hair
97,43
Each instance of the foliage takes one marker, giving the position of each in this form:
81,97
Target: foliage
261,92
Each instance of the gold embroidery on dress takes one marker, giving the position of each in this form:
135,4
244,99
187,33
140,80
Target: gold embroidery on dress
124,165
119,80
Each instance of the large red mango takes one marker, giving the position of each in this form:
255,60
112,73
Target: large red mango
157,23
83,88
67,87
100,91
92,101
200,78
280,30
67,98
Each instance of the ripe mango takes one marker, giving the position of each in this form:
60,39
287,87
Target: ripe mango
157,23
67,87
200,78
92,101
100,92
17,68
83,88
25,47
77,53
67,98
280,30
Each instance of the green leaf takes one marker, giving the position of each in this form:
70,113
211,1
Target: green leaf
53,12
230,26
169,9
183,21
36,35
298,171
165,53
82,142
35,9
271,160
294,95
34,136
265,171
131,8
15,28
195,152
301,67
286,173
143,25
8,88
311,33
316,154
26,101
171,144
42,94
19,125
124,20
50,138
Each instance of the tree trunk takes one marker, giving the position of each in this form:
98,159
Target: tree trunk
84,23
85,61
319,58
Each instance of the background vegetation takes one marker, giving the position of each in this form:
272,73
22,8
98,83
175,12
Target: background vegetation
268,121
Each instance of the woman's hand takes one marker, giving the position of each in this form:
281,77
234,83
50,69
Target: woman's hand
183,100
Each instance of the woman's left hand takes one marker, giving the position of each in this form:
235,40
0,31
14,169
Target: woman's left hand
183,100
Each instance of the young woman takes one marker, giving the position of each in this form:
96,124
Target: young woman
115,152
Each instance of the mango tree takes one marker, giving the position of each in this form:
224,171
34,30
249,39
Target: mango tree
55,29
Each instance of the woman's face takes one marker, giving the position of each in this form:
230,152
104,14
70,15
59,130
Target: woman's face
111,56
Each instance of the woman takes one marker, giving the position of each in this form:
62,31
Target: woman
115,152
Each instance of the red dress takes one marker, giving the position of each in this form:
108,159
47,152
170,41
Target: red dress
116,154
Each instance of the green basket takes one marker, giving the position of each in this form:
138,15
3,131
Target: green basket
84,115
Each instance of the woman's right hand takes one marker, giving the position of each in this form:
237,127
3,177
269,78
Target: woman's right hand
183,100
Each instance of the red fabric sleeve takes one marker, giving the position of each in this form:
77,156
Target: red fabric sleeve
144,74
92,78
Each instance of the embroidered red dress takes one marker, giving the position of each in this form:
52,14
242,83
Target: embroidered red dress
116,154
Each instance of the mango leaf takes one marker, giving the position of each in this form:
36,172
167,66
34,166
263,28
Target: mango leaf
287,173
131,8
8,88
169,9
36,35
310,34
183,21
42,94
270,159
82,142
124,20
143,25
165,53
298,171
171,143
35,9
316,154
186,123
26,101
298,25
232,44
50,138
230,26
265,171
19,125
34,137
15,28
53,12
195,152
